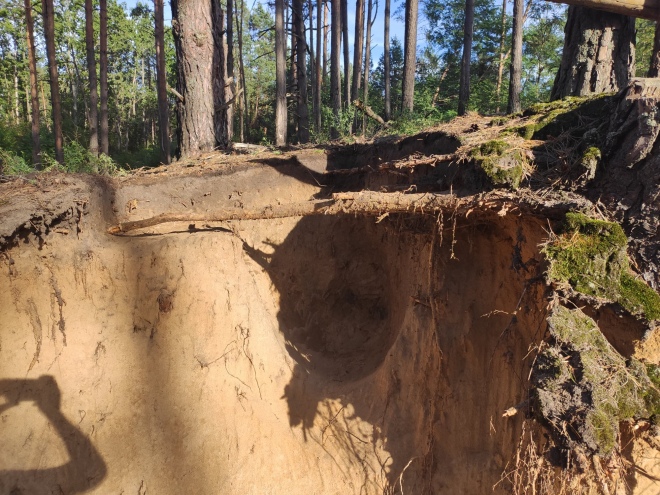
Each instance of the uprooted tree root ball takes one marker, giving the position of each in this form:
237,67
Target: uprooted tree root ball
380,318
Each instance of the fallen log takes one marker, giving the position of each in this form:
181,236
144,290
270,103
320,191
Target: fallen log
372,203
646,9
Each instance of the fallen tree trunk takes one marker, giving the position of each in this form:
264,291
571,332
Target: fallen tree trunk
372,203
646,9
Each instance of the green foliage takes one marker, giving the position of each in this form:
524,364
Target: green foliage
78,159
645,31
12,164
590,256
145,157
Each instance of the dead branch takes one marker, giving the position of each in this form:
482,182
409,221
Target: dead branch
230,102
370,113
175,93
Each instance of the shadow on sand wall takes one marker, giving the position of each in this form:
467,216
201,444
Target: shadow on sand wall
85,468
406,354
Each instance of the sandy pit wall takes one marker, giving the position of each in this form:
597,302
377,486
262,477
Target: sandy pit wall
326,354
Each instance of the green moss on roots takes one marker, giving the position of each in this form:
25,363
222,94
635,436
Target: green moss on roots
584,388
590,256
502,165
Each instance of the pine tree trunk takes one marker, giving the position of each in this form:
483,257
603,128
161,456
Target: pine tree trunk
318,81
357,50
223,95
203,115
280,76
599,53
104,139
230,54
500,65
654,66
335,58
367,63
230,38
410,56
293,73
515,78
464,85
326,30
386,62
312,65
347,57
49,34
301,70
34,92
161,76
93,84
244,96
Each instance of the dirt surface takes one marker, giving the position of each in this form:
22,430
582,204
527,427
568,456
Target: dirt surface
293,323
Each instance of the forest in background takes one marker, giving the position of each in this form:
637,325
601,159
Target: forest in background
132,96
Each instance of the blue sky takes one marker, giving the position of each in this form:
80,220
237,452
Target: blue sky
396,25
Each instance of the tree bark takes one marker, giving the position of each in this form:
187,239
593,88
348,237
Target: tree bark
280,76
49,34
599,53
93,83
515,77
104,139
223,93
357,49
34,92
204,119
318,80
464,85
654,66
410,56
347,58
161,76
335,57
301,72
386,62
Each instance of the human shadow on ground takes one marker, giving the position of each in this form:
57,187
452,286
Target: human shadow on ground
85,469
